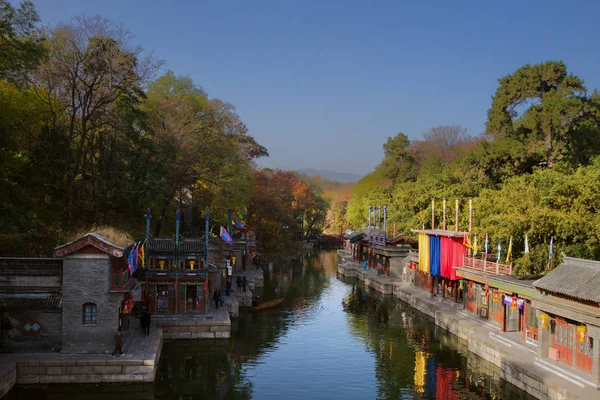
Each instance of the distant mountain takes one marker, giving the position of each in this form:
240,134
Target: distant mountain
343,177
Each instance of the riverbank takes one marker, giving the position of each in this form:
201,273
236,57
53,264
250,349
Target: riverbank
518,362
142,354
139,364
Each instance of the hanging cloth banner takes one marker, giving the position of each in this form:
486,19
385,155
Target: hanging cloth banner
423,252
434,254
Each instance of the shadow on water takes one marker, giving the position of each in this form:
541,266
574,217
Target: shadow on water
330,339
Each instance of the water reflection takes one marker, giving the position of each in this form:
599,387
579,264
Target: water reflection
330,339
417,359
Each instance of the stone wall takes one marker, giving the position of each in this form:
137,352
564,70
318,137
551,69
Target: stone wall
8,378
196,330
86,279
22,340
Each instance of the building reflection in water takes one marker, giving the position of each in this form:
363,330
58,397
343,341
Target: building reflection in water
433,362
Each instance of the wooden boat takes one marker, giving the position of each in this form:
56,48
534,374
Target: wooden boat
268,304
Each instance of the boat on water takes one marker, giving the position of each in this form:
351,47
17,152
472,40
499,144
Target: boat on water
268,304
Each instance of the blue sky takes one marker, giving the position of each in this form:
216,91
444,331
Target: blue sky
323,84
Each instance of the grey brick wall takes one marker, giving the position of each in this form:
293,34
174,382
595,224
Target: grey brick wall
87,280
48,338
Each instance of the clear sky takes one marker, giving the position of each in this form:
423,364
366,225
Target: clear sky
322,84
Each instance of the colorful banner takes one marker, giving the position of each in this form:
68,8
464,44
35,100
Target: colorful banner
225,236
239,225
434,255
423,252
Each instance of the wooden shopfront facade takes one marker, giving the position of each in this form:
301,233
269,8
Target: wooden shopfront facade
568,311
175,276
501,299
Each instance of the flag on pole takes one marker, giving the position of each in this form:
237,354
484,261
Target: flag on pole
550,253
225,236
239,225
509,251
143,254
526,245
486,245
499,250
474,245
467,242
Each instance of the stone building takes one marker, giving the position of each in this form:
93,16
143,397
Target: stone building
95,279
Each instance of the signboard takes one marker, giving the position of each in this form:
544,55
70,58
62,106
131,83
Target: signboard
229,269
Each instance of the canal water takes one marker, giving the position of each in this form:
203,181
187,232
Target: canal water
331,339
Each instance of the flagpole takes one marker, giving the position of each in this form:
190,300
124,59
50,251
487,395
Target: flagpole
498,259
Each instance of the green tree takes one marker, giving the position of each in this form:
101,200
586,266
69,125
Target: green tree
398,163
21,45
550,100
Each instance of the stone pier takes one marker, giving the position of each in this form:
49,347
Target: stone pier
215,325
138,365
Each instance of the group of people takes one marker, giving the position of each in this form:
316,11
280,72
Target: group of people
241,283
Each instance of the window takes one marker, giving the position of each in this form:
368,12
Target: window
90,310
533,321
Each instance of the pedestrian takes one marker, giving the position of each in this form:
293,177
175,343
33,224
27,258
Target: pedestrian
244,283
143,322
118,343
228,286
238,282
216,298
147,323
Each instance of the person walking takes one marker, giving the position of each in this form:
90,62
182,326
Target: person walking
118,338
244,283
217,298
143,322
147,323
238,282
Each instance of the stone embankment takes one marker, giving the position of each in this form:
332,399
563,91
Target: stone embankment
139,364
518,362
142,354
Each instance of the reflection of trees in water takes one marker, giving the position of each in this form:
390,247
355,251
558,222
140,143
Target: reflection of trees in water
218,371
412,352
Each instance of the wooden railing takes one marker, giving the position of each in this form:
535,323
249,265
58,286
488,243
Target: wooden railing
489,267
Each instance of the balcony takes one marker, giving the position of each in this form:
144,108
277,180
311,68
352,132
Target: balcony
488,268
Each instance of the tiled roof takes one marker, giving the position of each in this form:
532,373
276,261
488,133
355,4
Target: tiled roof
574,277
355,236
161,245
24,303
167,245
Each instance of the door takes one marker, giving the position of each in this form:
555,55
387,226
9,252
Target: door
562,339
162,298
512,319
191,295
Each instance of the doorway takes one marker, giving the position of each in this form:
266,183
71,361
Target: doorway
162,297
191,297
